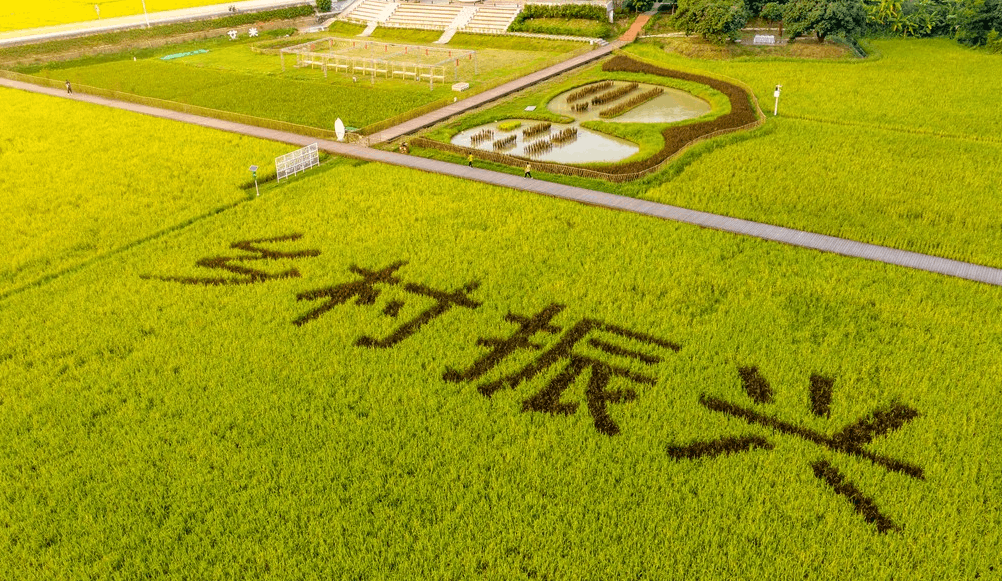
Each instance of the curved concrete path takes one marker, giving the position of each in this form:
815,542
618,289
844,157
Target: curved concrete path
799,238
489,95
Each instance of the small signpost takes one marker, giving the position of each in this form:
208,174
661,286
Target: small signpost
775,94
766,39
253,170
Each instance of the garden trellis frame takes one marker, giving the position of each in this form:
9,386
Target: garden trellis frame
389,60
298,161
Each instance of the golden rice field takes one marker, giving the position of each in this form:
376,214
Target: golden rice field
19,14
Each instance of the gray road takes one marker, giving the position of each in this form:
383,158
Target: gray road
789,236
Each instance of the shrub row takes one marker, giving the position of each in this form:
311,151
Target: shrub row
582,11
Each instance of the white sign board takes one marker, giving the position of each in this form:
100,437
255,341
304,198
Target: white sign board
339,129
298,161
766,39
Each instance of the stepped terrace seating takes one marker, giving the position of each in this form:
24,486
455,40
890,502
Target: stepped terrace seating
426,16
489,18
493,18
366,12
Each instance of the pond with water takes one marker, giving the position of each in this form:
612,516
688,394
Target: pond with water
590,146
671,106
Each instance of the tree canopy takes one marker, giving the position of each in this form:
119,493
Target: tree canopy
716,20
978,19
839,17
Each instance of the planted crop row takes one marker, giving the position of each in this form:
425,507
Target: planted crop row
614,94
538,147
588,91
631,103
509,126
534,130
565,136
505,142
481,136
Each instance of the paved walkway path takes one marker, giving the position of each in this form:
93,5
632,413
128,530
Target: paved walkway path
139,20
479,99
636,28
799,238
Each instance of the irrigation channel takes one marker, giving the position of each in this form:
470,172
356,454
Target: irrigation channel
579,104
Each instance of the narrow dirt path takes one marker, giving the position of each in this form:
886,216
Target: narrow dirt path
821,242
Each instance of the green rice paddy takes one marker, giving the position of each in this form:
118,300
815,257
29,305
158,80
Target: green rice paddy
375,373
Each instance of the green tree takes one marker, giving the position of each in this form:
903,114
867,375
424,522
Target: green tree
716,20
774,12
977,19
839,17
324,5
638,5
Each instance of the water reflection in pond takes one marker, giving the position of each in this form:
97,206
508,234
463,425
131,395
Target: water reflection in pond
588,146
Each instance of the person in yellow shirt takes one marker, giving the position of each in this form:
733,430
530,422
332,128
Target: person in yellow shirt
528,171
469,160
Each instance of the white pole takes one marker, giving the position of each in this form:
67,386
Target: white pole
146,14
775,110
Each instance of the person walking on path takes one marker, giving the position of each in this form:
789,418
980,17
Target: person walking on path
528,171
469,160
69,89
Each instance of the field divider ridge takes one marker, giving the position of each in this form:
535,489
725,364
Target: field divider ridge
820,242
